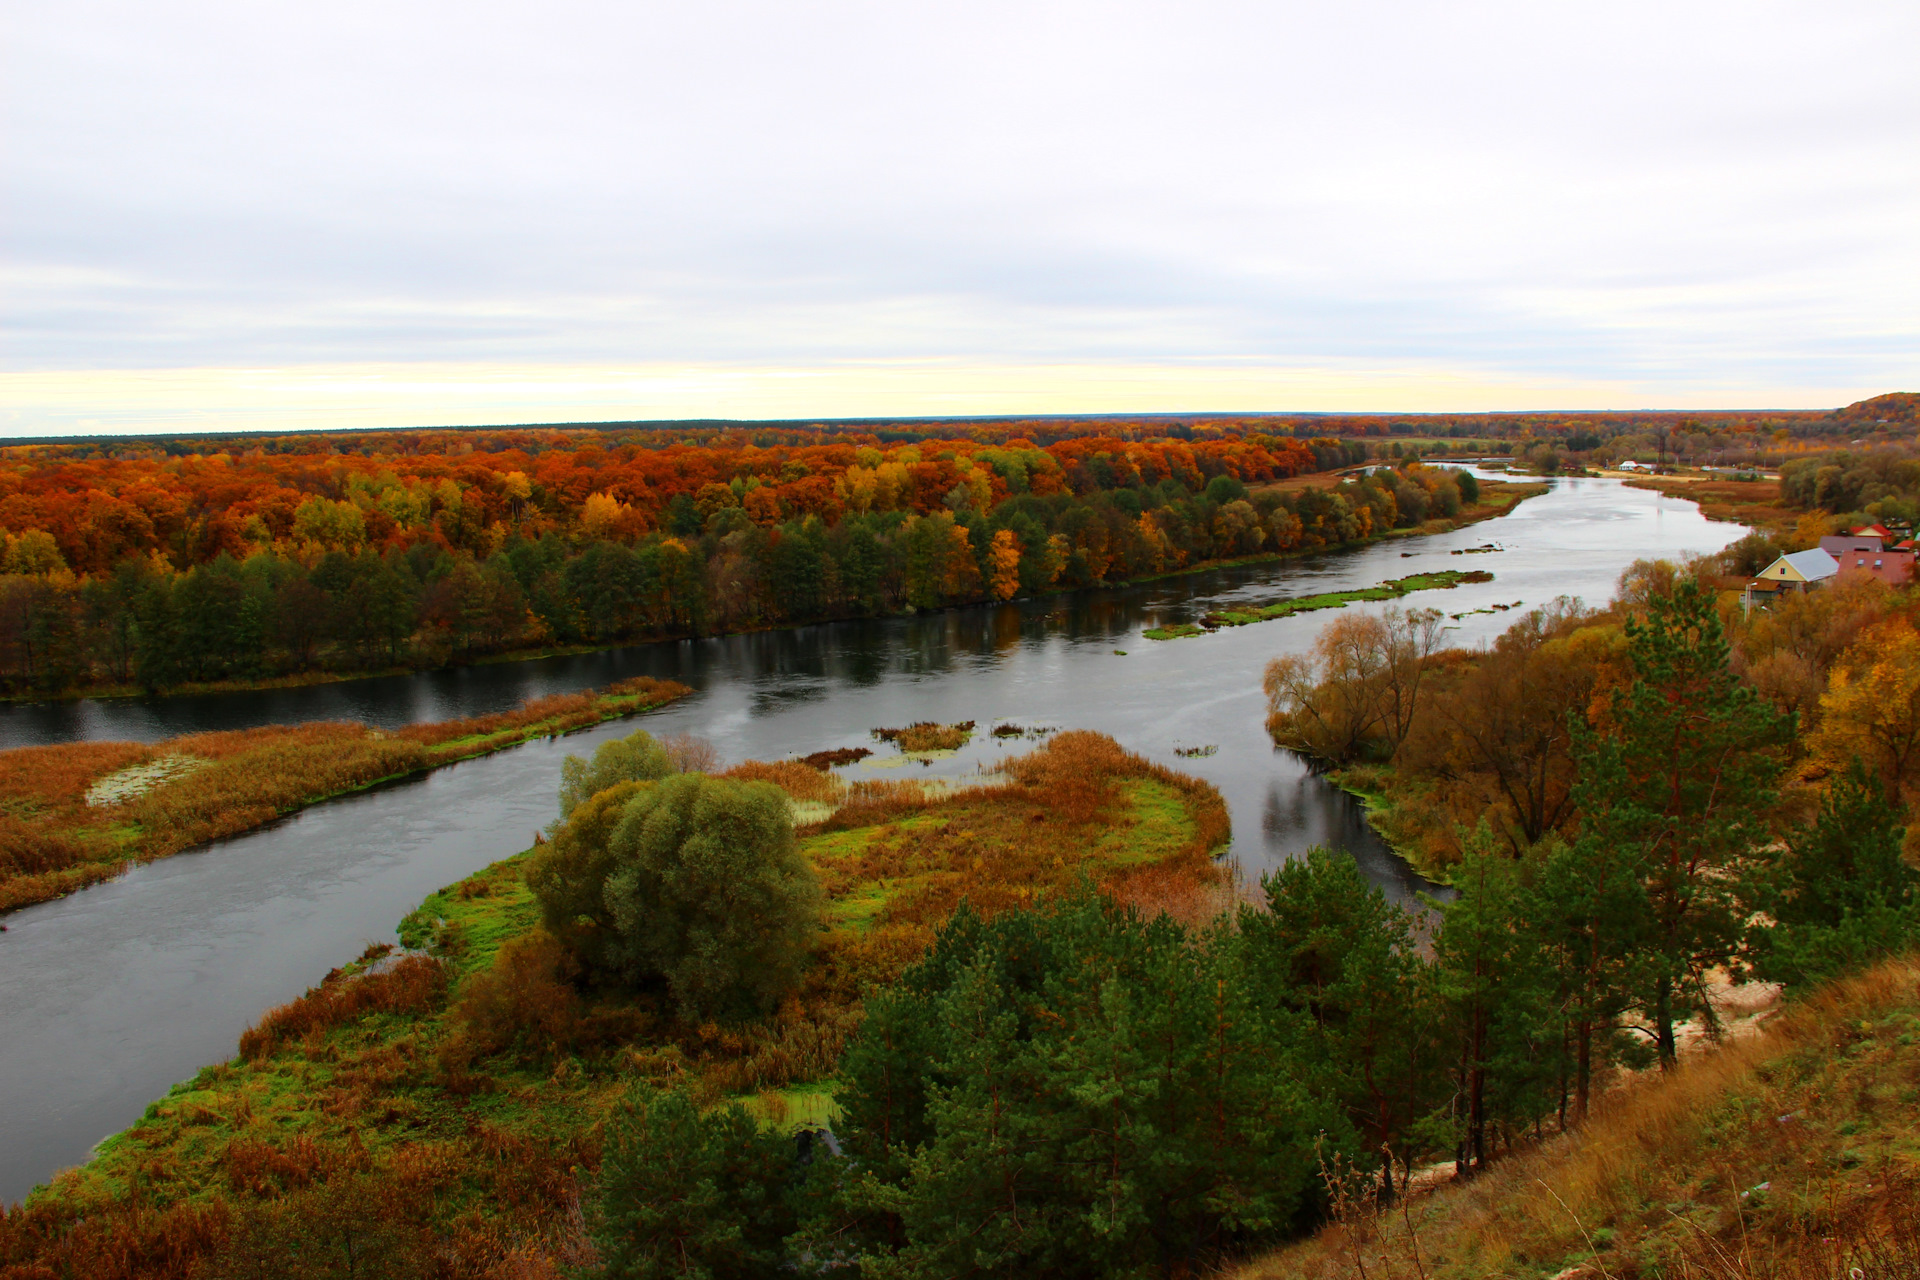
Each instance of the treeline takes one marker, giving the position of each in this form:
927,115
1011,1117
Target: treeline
92,514
1449,736
1634,804
1857,486
714,569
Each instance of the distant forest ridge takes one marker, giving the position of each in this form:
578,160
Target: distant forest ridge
1893,412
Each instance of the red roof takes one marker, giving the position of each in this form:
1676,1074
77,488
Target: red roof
1873,531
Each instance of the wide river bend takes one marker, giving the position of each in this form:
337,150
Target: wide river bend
111,995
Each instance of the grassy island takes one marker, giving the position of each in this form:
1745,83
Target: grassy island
1388,590
453,1096
82,812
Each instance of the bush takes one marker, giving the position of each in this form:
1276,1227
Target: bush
569,873
1749,555
522,1000
634,758
411,985
692,882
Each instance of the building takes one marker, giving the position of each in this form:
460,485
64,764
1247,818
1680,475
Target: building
1799,570
1863,552
1631,465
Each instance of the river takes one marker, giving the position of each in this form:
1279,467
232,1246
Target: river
109,996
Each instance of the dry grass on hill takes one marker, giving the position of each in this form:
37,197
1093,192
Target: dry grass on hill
1791,1155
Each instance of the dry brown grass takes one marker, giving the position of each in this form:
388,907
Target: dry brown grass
52,842
412,984
925,735
1821,1108
795,777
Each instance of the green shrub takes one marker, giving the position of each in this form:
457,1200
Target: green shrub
634,758
691,882
711,894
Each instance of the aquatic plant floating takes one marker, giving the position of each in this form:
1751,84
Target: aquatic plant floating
927,736
1388,590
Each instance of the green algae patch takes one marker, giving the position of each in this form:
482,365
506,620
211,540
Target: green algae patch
1391,589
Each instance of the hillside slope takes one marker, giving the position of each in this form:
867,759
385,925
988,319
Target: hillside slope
1795,1153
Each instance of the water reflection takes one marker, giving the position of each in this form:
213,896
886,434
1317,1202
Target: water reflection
110,995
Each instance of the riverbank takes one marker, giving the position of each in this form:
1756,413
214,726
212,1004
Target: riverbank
1785,1152
1497,498
1755,503
1405,817
80,813
450,1096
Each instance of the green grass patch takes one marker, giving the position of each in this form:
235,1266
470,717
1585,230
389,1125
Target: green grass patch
1389,590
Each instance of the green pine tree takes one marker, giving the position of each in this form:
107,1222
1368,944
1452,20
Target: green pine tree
1684,788
1495,990
1841,895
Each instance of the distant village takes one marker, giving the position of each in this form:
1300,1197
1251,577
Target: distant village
1873,550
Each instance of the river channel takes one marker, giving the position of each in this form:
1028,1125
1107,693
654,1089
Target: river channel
109,996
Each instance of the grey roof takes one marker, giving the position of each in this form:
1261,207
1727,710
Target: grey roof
1813,565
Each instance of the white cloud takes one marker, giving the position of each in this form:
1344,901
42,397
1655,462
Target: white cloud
1633,200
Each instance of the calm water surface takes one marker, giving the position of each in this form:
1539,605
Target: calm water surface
109,996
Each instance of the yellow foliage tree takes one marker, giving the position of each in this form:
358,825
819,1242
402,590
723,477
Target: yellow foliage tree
1004,556
1871,709
599,512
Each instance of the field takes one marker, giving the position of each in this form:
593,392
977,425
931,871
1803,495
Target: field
78,813
1790,1155
444,1104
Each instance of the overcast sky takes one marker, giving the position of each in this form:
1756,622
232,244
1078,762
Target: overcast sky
270,214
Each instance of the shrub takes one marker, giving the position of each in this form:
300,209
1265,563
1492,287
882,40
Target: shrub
568,874
523,999
414,984
692,882
711,894
634,758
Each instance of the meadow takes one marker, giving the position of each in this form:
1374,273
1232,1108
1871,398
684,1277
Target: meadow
440,1109
82,812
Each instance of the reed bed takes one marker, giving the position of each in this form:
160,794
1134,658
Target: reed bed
824,760
925,735
795,777
412,984
53,842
